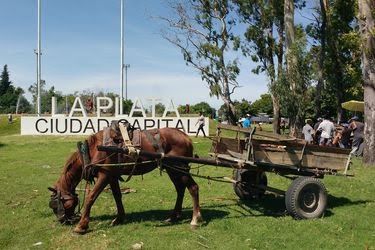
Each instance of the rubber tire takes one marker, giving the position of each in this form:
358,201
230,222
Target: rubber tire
244,188
306,198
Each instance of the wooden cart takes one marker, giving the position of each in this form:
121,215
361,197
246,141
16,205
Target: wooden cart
262,152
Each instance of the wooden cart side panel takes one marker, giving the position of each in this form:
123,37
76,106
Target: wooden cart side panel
290,154
284,153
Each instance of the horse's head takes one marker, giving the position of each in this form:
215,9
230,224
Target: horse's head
63,205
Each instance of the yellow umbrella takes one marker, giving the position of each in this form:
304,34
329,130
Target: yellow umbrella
354,105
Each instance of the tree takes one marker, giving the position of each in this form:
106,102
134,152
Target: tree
337,57
294,97
317,31
366,19
342,64
262,105
9,95
296,70
45,96
5,83
127,106
243,108
264,43
203,31
159,108
203,107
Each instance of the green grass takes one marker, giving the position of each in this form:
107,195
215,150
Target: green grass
29,164
8,129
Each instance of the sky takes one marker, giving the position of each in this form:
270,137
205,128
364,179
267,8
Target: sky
81,51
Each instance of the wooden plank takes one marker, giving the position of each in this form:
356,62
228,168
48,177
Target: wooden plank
233,128
222,145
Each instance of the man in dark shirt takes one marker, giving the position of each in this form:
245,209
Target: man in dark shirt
358,131
317,133
345,136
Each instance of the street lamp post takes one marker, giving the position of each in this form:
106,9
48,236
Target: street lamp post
126,80
122,56
38,52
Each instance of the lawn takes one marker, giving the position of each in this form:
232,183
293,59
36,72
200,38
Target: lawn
29,164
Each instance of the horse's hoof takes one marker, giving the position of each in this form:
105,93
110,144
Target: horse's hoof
79,230
173,218
117,221
168,220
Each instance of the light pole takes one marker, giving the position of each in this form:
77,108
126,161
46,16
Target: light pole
38,53
122,56
126,80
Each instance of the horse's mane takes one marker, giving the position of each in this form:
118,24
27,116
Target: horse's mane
72,159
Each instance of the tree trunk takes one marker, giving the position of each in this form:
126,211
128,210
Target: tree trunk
289,39
231,114
276,114
319,86
367,27
292,75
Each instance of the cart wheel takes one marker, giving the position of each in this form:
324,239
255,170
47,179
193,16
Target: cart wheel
246,188
306,198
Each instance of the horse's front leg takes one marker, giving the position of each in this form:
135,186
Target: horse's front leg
116,191
100,184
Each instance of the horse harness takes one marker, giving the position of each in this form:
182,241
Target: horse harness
125,137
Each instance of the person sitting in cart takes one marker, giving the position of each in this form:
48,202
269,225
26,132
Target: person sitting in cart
327,129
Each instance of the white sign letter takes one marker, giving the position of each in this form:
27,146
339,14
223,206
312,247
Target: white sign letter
81,108
139,109
99,106
171,108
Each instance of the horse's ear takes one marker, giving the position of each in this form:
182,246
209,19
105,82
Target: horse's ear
52,189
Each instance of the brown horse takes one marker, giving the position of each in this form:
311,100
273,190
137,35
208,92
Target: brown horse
172,142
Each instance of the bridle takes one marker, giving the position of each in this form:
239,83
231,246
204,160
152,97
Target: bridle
57,205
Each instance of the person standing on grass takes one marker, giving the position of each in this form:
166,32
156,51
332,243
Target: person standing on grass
200,122
247,121
308,131
10,118
247,124
358,133
317,132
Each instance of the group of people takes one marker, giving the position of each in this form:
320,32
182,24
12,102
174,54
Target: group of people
346,135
